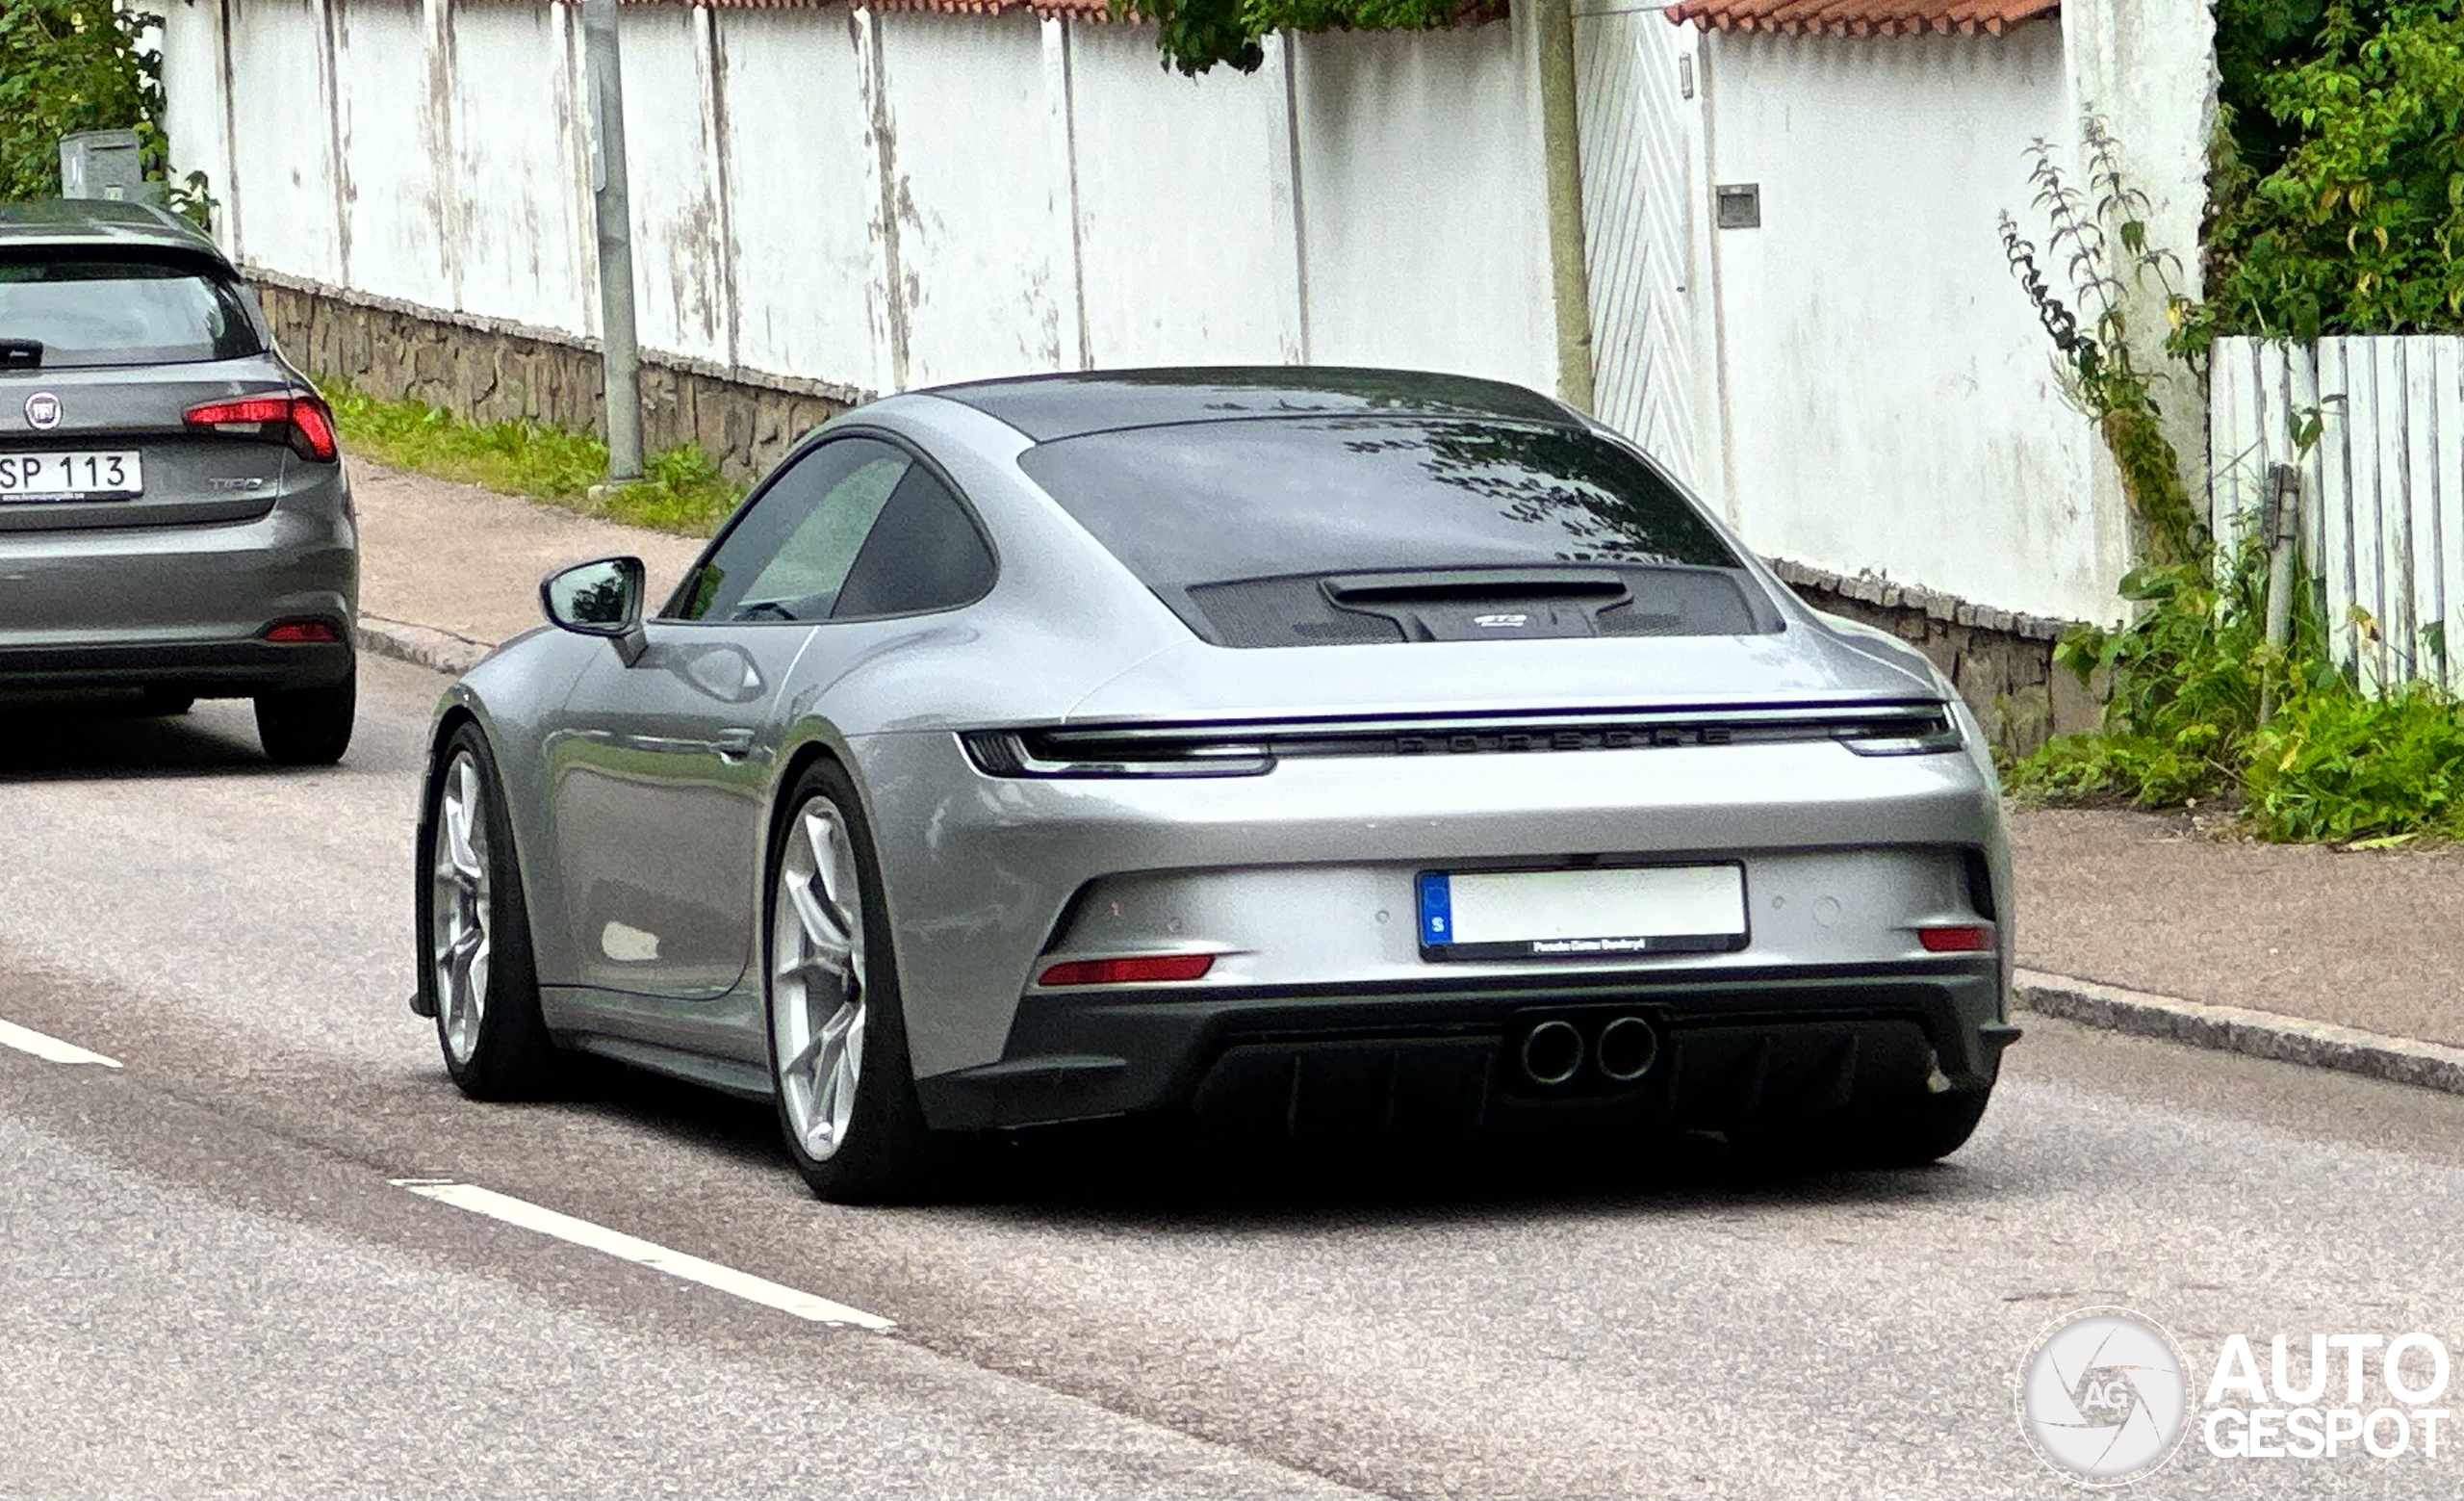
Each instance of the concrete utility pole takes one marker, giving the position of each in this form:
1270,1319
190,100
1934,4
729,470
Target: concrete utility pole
619,354
1562,152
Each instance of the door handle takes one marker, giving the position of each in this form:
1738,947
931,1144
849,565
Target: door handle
734,744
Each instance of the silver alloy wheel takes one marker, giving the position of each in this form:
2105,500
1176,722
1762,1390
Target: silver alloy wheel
817,977
458,907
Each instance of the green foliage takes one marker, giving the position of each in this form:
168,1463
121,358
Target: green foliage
2185,676
2340,766
2331,762
2200,706
2338,172
680,489
68,65
1195,35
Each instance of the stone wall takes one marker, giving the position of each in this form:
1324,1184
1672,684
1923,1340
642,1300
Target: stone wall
2000,660
488,370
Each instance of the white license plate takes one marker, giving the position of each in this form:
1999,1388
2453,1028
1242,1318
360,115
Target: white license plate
1599,912
71,476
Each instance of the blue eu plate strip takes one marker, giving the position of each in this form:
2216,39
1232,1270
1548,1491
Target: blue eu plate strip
1437,910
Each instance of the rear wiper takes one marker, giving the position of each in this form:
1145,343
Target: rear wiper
21,355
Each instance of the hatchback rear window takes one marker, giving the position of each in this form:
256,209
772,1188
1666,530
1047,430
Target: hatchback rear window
1300,532
123,312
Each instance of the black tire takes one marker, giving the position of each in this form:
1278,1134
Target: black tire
886,1154
309,727
164,702
1922,1132
1906,1134
509,1054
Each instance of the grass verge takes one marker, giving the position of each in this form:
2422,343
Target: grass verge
680,489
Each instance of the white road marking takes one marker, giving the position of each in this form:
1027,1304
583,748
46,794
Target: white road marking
52,1050
627,1248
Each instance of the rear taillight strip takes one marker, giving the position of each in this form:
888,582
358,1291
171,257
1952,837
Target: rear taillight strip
300,418
1251,749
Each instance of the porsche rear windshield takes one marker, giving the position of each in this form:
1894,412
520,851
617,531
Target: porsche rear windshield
115,311
1206,502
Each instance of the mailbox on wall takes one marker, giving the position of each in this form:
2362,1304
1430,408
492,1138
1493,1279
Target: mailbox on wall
105,163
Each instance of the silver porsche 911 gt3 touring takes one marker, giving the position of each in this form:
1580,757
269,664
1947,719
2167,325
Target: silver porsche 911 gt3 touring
1320,753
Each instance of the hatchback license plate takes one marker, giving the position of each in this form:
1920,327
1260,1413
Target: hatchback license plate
71,476
1604,911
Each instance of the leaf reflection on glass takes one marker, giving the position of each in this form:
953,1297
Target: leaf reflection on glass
1611,508
600,603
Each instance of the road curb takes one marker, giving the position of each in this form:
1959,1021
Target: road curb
2259,1034
422,646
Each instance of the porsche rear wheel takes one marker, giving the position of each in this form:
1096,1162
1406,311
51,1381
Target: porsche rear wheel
1905,1134
477,933
837,1041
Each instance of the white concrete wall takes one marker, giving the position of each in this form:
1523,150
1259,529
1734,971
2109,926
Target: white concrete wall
1175,173
1890,399
681,301
193,97
810,280
1422,202
879,201
399,169
281,147
518,243
982,202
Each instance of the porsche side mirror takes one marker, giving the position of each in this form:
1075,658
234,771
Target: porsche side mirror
602,597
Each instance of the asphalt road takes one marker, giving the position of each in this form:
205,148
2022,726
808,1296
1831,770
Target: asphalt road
209,1284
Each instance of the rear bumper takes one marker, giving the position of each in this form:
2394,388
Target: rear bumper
181,607
1734,1049
208,669
1302,882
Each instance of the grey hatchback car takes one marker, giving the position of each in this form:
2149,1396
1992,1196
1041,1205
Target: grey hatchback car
174,518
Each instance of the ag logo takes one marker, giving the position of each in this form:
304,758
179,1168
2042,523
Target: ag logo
2102,1398
43,410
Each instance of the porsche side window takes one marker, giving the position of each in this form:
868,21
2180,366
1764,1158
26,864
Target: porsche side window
925,553
789,556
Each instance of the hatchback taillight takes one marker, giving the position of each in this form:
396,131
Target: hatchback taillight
295,417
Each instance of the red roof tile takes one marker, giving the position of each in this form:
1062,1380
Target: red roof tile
1859,18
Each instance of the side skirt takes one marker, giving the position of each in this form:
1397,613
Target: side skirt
743,1080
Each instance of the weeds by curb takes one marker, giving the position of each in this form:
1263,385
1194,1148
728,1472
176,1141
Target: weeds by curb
680,489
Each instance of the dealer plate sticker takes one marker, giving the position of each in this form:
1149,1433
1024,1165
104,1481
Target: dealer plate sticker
1604,911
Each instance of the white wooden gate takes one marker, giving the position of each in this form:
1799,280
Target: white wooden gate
2376,428
1641,144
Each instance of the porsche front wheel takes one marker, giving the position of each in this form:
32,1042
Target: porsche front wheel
477,932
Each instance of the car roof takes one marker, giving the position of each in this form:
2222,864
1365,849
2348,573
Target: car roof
98,224
1049,407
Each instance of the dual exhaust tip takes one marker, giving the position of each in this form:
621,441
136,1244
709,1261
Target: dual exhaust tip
1555,1051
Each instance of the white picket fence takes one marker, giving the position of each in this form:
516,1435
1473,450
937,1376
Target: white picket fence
2376,425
